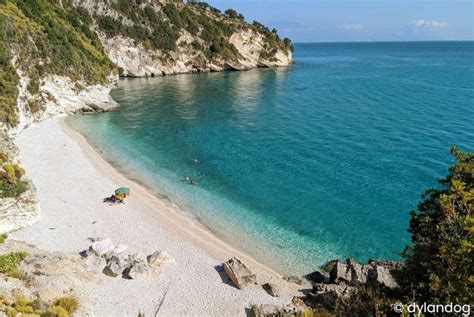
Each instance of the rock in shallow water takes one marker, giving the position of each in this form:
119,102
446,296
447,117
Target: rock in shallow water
293,279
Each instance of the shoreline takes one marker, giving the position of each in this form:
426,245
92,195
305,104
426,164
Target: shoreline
72,179
181,218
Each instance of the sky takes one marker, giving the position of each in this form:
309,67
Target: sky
360,20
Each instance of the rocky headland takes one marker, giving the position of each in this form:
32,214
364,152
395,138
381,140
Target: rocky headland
60,58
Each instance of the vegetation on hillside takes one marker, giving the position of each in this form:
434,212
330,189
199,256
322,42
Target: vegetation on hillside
47,38
8,78
160,26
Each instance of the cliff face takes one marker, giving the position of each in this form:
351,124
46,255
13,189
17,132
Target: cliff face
59,57
153,38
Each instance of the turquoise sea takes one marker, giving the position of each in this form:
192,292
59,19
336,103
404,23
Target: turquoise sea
299,165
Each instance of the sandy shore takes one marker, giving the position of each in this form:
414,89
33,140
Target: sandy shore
72,179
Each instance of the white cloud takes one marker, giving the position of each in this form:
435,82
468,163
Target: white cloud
351,27
429,25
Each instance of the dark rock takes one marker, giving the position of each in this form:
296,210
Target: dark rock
272,289
135,271
317,277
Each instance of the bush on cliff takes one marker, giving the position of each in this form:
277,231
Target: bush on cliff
440,261
11,182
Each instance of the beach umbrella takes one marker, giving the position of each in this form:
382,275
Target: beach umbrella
122,191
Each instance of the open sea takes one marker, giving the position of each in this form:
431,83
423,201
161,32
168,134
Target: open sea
299,165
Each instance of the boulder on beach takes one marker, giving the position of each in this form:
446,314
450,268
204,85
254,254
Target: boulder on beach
239,273
101,247
272,289
297,308
136,270
159,258
115,266
114,261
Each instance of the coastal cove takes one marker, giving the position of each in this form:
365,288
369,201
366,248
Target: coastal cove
284,170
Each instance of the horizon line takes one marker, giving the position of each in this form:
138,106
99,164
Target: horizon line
379,41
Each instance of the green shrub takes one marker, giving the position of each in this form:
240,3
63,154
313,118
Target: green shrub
3,238
68,303
33,86
10,311
12,190
16,274
62,307
56,311
11,183
10,262
439,266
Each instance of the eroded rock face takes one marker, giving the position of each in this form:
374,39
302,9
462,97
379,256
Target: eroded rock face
135,60
347,278
60,96
16,213
19,212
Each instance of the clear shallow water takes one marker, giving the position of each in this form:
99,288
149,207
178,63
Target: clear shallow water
304,164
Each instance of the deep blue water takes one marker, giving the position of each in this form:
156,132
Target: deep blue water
303,164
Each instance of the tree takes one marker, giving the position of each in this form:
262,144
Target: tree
440,261
231,13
